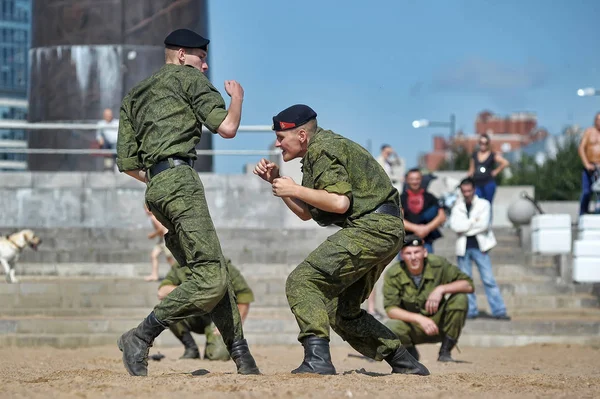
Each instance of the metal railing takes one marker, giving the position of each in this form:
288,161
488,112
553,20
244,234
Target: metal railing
7,148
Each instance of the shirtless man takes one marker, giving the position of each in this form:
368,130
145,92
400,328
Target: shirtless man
589,151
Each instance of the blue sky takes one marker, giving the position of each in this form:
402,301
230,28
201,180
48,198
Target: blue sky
370,70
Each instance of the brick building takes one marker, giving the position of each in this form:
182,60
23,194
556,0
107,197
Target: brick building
506,133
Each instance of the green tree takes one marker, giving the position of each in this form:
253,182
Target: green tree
459,160
558,179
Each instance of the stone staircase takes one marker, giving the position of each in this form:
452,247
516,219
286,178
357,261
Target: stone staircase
78,299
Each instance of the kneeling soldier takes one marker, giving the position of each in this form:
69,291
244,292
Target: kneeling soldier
215,348
425,298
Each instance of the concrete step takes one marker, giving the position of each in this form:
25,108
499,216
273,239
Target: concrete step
101,292
248,269
281,320
68,332
575,304
105,245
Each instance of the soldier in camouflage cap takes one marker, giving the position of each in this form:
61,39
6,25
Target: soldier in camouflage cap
160,124
425,298
215,348
342,184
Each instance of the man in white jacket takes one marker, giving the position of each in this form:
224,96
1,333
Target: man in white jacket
470,219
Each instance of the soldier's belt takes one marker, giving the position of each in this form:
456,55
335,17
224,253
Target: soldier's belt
167,164
388,208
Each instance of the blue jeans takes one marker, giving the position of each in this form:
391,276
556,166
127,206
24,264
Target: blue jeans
586,192
492,292
486,191
429,247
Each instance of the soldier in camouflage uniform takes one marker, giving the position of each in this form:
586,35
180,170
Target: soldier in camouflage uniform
344,185
215,348
160,124
425,296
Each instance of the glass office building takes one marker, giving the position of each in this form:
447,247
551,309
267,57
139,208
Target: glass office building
15,39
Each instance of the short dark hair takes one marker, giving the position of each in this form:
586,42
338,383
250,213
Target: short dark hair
413,170
467,181
384,146
485,136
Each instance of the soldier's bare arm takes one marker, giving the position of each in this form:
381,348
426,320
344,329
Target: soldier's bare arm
228,128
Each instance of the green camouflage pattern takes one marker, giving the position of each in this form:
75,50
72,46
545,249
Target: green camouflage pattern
450,319
162,117
328,288
215,348
176,197
338,165
243,293
399,290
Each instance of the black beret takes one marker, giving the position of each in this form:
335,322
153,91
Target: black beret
413,240
186,38
292,117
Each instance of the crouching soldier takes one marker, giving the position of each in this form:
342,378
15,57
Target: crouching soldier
425,298
215,348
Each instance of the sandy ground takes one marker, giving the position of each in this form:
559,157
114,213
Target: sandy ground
531,371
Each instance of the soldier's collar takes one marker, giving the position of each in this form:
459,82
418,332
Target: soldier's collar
427,273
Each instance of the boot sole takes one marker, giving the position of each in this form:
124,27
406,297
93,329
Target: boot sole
131,373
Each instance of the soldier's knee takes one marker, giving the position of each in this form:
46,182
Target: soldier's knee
295,282
401,329
458,302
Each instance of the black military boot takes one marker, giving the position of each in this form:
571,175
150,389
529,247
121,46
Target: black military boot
191,349
447,346
136,343
402,362
240,353
413,352
317,358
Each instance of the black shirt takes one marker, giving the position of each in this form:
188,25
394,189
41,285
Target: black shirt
483,170
471,240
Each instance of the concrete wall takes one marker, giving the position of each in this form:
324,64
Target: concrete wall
107,200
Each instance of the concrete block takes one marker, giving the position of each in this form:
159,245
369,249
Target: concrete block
589,222
551,241
554,221
588,235
12,180
586,248
586,269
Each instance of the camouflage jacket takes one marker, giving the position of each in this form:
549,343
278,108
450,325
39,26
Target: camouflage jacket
338,165
163,116
399,289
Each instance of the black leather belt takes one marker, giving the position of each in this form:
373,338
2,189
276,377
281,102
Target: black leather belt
167,164
388,208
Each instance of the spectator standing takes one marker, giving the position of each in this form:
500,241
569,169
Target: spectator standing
589,152
470,219
484,166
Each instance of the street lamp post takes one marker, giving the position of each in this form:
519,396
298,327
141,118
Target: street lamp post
588,91
427,123
450,125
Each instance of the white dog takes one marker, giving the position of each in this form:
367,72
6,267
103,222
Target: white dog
11,247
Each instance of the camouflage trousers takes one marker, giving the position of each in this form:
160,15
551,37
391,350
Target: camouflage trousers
215,348
328,288
176,198
450,319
